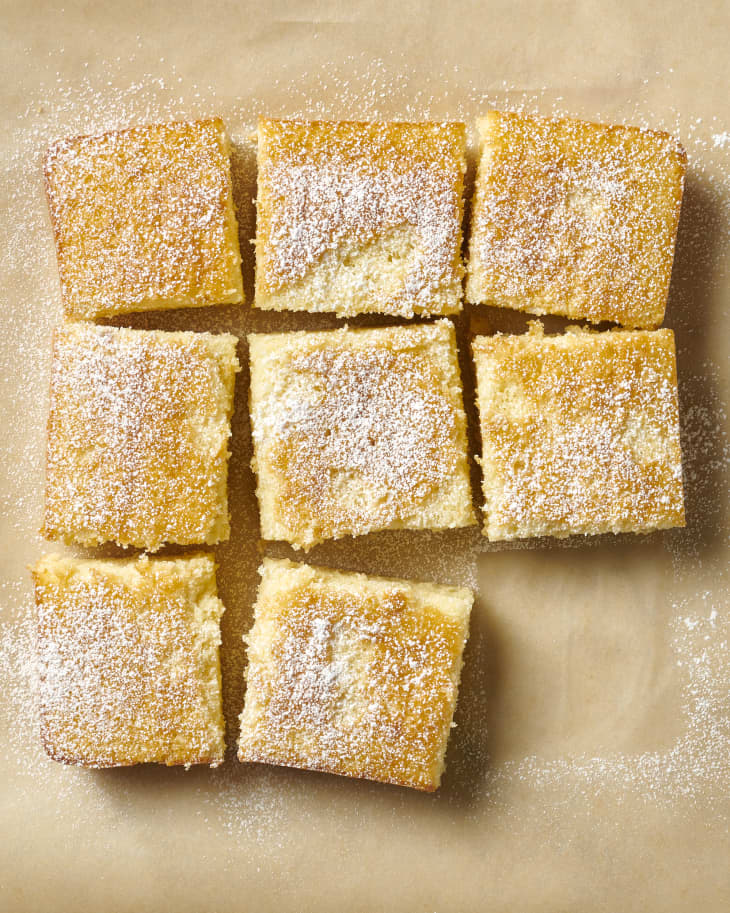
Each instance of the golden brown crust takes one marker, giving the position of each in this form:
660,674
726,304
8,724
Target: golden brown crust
138,433
374,208
580,433
143,219
128,661
353,675
575,218
59,757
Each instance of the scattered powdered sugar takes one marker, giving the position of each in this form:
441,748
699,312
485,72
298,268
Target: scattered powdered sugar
698,764
19,675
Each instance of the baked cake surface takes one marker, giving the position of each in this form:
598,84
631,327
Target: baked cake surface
580,432
144,219
574,218
353,675
360,217
128,657
358,430
138,436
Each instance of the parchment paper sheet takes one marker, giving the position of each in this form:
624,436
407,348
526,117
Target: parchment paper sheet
589,770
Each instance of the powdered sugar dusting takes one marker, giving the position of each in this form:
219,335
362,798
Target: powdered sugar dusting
351,676
322,185
137,436
335,435
258,805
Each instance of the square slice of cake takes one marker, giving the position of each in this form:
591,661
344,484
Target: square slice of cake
144,219
360,218
138,436
358,430
353,675
128,660
574,218
580,433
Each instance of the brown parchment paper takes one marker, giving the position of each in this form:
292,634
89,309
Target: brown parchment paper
589,769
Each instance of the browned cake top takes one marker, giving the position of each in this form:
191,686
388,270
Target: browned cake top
352,677
580,432
575,218
128,670
138,436
144,215
323,183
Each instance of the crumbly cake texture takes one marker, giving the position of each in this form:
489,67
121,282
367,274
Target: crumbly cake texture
353,675
574,218
144,219
580,432
358,430
128,658
360,218
138,436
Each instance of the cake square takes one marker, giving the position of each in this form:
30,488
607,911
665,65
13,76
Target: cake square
143,219
128,660
580,432
358,430
574,218
138,436
353,675
360,218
